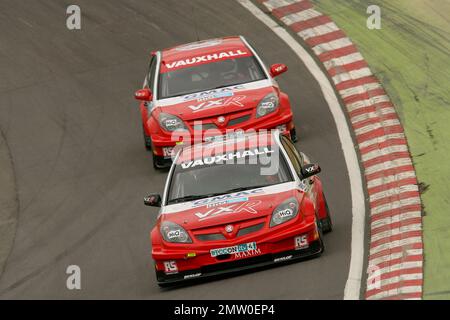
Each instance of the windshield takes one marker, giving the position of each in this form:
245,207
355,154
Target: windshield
209,76
241,170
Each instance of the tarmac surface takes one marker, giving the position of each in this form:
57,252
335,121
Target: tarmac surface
79,168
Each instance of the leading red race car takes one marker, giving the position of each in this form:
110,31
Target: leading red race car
242,202
203,88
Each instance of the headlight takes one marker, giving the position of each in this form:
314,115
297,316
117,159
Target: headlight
286,211
267,105
172,232
170,122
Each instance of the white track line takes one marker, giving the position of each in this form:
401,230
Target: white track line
353,285
318,31
274,4
332,45
298,16
342,61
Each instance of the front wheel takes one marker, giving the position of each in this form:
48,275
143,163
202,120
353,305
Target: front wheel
327,224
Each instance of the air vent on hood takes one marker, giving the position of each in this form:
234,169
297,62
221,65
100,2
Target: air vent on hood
204,126
210,237
250,229
239,120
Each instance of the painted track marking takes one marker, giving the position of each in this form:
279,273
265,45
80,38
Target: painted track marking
353,285
394,199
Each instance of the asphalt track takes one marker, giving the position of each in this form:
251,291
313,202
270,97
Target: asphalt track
68,116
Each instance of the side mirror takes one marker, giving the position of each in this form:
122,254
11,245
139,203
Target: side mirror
143,94
277,69
153,200
310,170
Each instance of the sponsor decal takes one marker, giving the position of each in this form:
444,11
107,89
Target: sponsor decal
281,259
248,207
167,152
286,213
173,234
233,100
194,275
248,254
214,93
206,58
170,267
221,203
301,242
235,135
228,198
245,247
225,157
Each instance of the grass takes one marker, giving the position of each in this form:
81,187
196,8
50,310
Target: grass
411,56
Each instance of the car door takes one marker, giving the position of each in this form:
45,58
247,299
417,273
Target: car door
299,160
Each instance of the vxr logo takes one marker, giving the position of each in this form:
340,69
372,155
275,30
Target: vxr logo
236,100
235,208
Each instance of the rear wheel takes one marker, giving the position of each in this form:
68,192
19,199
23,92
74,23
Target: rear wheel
147,140
293,134
327,224
158,162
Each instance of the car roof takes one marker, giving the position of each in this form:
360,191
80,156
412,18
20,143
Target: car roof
193,50
225,145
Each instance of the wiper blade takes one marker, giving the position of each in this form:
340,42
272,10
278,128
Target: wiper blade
246,188
188,198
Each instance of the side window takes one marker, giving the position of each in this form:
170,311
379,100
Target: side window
293,154
151,73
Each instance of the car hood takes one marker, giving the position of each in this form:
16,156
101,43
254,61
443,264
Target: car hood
230,208
213,103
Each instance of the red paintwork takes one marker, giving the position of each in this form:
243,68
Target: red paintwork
277,69
242,103
269,239
143,94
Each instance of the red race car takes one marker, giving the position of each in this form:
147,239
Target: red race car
237,203
203,88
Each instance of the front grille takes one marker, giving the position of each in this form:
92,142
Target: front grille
236,263
314,248
248,230
204,126
210,237
239,120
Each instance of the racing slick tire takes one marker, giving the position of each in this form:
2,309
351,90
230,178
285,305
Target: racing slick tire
327,224
159,163
147,140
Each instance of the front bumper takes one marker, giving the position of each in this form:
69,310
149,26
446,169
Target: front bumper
314,249
273,246
163,143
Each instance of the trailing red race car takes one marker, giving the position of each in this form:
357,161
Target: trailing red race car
242,202
203,88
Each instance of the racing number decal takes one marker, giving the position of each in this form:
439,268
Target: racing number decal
170,267
301,242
